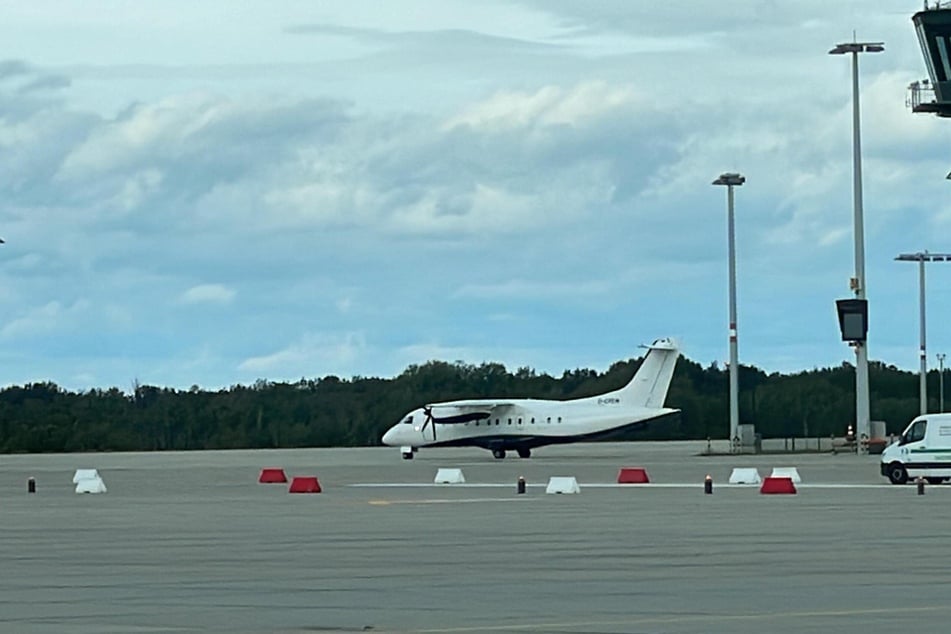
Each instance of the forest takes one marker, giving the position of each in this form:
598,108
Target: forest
332,411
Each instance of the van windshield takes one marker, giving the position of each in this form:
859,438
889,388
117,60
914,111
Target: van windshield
916,432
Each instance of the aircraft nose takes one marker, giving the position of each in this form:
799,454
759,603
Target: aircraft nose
389,438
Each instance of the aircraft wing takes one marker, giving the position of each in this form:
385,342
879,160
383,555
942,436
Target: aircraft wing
477,405
458,412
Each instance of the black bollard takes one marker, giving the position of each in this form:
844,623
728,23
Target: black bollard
31,485
521,485
921,485
708,485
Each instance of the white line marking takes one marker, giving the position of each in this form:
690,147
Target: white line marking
447,501
612,485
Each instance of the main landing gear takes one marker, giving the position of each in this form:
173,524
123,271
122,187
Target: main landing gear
498,454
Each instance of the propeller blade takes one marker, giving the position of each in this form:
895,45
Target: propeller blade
429,421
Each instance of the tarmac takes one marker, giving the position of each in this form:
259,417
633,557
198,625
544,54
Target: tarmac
189,542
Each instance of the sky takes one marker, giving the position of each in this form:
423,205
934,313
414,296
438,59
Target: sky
221,192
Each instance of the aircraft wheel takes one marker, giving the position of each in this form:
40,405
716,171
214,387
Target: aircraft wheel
897,473
524,453
498,454
407,455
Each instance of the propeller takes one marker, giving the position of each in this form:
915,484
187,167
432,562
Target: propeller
428,410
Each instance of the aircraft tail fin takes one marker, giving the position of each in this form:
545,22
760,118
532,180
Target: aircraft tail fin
649,386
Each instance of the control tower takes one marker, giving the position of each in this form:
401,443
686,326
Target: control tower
933,26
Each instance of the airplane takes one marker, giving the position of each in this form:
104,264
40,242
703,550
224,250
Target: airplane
524,424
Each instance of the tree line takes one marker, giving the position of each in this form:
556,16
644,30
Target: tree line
331,411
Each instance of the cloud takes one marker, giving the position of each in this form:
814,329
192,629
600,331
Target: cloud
311,355
13,68
527,290
208,294
482,209
142,133
456,39
137,189
50,317
344,304
45,83
456,177
547,106
423,352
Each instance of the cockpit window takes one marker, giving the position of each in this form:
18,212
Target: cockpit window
408,420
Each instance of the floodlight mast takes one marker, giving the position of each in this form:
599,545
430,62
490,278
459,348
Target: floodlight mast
858,281
922,257
731,180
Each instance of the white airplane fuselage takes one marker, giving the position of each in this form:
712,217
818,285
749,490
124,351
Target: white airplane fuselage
523,424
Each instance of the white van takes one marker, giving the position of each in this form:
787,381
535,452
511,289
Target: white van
924,449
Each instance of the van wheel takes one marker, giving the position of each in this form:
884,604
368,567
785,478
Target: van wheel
897,473
934,480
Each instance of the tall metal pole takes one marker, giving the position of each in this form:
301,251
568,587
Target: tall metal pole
941,382
731,180
922,257
861,348
923,380
734,353
858,282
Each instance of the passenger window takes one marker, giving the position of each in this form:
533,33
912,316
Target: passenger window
559,419
549,420
533,420
510,421
519,421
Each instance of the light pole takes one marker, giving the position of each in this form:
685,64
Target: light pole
732,180
921,258
941,382
858,282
